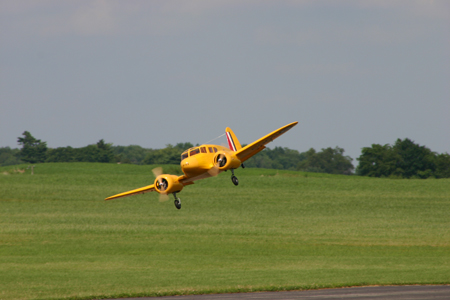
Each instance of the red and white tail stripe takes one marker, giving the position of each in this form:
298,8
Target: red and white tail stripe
231,143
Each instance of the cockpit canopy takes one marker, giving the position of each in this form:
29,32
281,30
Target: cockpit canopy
196,150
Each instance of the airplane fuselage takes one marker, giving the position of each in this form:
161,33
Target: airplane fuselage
197,162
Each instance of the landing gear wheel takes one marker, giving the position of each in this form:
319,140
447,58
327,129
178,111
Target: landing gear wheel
177,203
235,180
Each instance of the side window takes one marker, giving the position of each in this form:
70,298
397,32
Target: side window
203,149
211,150
215,149
184,155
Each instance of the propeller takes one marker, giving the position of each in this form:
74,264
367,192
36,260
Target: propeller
163,197
158,171
221,160
214,171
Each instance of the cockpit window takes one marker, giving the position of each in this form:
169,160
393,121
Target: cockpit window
203,149
184,155
194,152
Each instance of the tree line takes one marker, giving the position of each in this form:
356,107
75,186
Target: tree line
404,159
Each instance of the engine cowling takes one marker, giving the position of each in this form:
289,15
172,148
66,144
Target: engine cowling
167,184
225,161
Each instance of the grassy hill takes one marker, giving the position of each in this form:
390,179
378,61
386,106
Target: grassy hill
276,230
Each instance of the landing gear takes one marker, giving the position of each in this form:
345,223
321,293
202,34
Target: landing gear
234,178
177,201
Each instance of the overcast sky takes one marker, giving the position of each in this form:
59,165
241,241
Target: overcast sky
150,73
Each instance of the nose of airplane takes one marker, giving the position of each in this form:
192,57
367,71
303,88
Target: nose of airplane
189,164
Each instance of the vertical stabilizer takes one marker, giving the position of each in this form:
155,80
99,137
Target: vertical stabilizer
233,142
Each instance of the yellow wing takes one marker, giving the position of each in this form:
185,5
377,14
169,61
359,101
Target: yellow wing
149,188
257,146
142,190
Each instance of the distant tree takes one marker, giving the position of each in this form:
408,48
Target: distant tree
61,154
442,165
106,154
33,150
329,160
404,159
260,160
415,160
169,155
9,156
183,146
133,154
285,158
379,161
88,153
311,163
277,158
102,145
100,152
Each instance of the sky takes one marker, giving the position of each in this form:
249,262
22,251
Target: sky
152,73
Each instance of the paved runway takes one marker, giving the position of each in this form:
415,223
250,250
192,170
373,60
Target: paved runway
412,292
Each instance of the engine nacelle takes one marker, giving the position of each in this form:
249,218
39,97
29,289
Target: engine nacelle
226,161
167,184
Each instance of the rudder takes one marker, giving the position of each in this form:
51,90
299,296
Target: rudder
233,142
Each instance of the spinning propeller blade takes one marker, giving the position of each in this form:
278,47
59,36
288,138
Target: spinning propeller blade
214,171
163,197
158,171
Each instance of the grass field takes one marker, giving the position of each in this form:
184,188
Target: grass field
277,230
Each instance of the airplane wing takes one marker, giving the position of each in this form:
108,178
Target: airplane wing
257,146
142,190
149,188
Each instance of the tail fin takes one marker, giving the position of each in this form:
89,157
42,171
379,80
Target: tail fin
233,141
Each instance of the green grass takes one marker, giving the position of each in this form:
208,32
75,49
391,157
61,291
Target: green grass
277,230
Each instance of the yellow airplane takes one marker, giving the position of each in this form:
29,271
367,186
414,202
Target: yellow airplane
206,161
